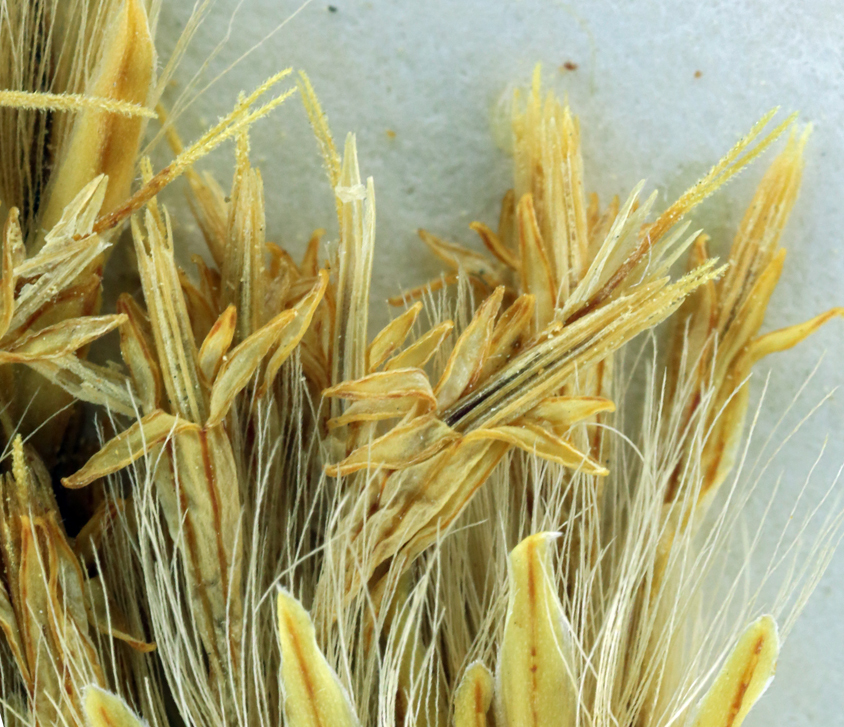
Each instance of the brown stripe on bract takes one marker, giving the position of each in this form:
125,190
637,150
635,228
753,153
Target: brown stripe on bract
313,695
743,678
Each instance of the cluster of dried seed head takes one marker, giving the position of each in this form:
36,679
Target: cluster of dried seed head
450,502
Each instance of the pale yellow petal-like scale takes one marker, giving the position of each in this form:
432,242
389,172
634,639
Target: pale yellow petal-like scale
496,245
169,319
744,677
292,335
536,670
391,337
750,315
376,410
242,363
403,446
313,695
104,709
394,384
216,344
537,277
537,440
563,411
139,355
60,339
470,352
473,697
85,381
418,353
456,257
511,333
128,446
784,338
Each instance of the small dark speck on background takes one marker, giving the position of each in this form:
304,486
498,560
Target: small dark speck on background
698,74
568,66
332,8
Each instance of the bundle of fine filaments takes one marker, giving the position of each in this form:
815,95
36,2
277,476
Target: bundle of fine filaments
263,512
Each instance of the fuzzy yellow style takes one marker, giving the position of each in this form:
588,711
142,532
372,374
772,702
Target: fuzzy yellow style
282,518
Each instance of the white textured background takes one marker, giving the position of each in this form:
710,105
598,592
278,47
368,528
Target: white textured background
434,72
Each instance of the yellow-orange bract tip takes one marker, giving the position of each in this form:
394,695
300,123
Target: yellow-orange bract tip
104,709
744,677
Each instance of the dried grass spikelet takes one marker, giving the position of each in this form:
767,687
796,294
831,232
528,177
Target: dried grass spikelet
118,64
495,388
65,57
537,684
195,391
42,326
100,141
472,540
313,696
386,528
716,341
50,608
105,55
715,345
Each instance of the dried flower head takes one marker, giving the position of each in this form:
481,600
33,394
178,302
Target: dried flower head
288,521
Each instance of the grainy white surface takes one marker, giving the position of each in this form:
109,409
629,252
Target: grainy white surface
433,74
